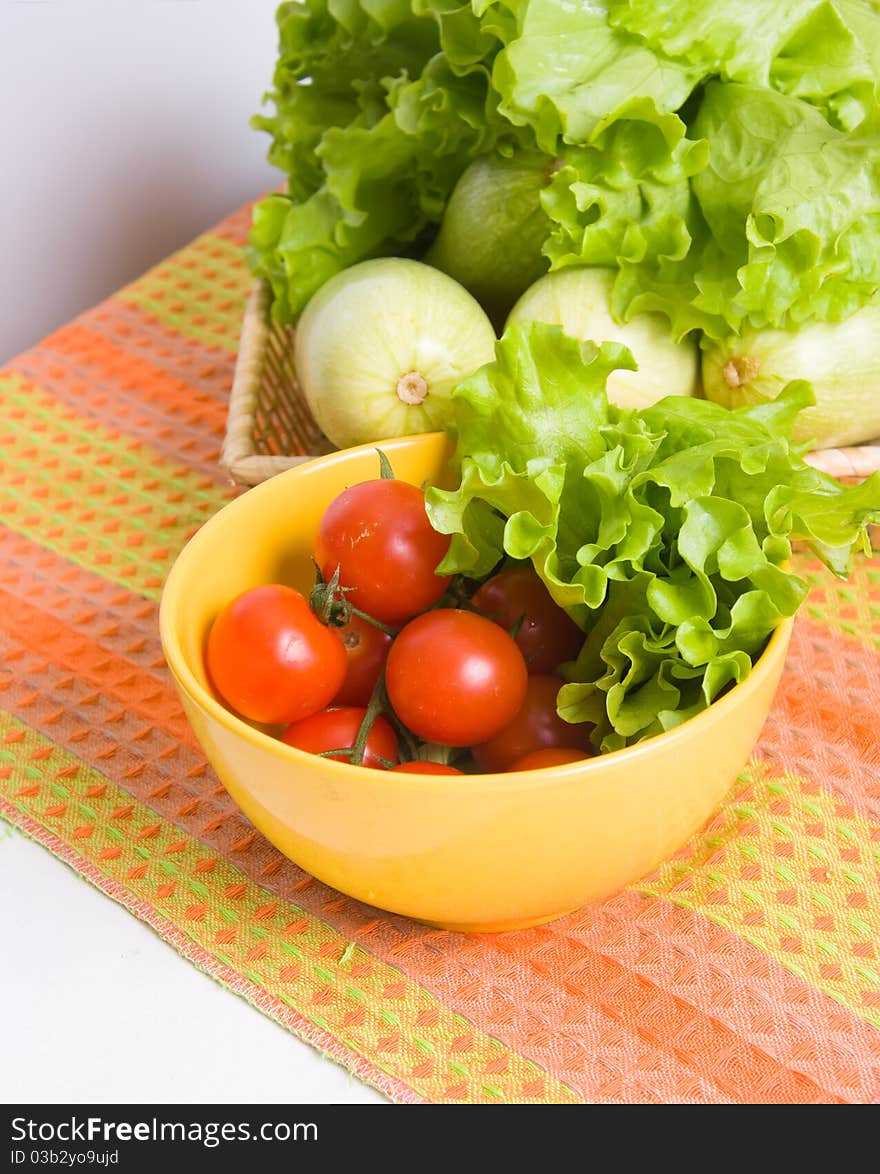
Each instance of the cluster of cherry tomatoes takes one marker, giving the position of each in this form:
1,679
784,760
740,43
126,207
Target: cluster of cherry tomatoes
393,666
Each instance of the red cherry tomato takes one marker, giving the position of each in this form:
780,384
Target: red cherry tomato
426,768
536,726
366,647
271,659
337,729
454,677
550,756
379,536
547,635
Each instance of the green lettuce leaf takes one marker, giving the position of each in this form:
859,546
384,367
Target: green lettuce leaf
665,533
753,200
626,201
569,75
833,61
784,227
824,51
793,204
735,39
379,106
330,55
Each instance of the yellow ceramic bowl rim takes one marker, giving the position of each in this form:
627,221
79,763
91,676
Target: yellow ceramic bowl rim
513,780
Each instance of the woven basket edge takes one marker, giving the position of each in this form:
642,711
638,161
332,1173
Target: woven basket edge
847,464
238,444
254,468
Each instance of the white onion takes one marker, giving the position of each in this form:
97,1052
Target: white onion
579,300
841,360
380,347
493,229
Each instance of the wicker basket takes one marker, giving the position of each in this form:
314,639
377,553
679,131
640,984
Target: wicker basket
270,428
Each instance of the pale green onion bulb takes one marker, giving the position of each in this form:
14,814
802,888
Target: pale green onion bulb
493,229
579,300
380,347
841,360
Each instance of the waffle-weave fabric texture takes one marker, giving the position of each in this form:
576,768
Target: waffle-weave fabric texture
744,970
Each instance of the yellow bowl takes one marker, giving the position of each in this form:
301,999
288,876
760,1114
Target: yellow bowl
481,852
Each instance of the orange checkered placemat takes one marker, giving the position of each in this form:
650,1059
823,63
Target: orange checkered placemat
745,970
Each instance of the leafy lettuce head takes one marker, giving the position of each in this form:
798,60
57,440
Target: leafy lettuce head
730,177
664,532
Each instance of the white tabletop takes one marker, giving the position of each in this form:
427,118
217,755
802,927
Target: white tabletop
85,992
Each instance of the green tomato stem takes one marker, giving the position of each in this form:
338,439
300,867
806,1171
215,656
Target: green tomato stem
378,702
328,602
410,745
368,619
385,470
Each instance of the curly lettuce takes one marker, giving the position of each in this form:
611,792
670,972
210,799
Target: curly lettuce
792,204
665,532
569,75
785,225
722,157
379,106
824,51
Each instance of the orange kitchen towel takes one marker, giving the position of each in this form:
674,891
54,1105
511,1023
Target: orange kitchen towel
745,970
